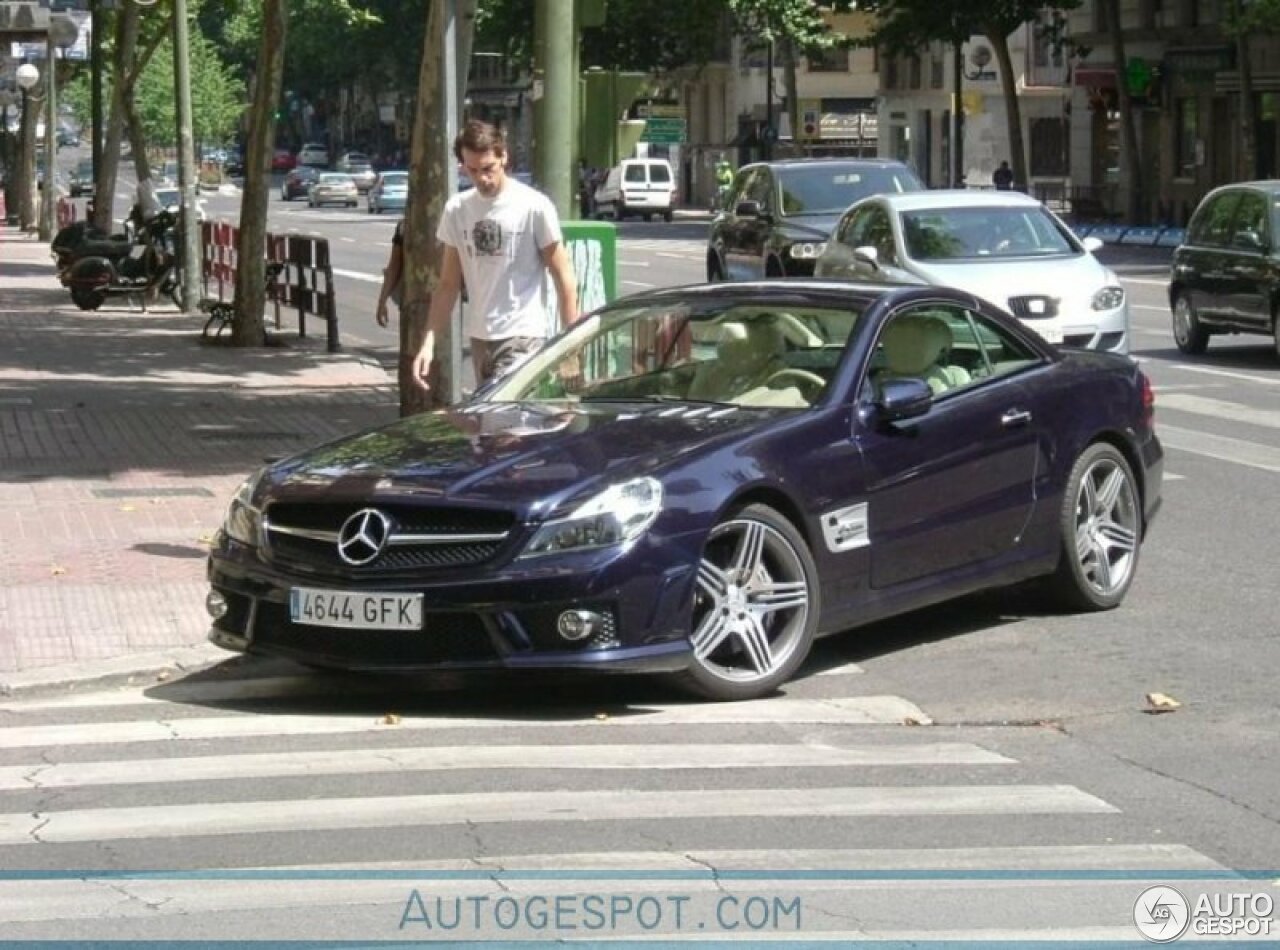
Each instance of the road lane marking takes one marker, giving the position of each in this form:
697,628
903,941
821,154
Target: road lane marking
1146,281
638,283
357,275
1209,371
859,710
634,263
1221,447
1221,409
613,757
392,811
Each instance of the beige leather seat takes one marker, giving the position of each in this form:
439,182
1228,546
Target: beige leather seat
747,354
919,346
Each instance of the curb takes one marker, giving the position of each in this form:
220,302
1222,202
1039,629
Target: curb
115,672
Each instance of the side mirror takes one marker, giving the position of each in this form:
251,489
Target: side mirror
1092,244
903,399
747,209
867,256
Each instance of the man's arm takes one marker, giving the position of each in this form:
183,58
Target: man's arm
556,259
442,301
390,278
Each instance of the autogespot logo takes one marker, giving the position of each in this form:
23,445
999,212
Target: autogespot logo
1161,914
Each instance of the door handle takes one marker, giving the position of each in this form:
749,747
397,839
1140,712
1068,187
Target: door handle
1015,417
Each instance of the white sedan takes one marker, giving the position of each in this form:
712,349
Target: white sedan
1002,246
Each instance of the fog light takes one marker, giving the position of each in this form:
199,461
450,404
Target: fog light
216,604
578,624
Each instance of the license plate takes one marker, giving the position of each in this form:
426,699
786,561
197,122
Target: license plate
1051,334
354,610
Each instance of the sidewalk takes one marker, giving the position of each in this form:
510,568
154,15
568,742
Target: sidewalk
122,437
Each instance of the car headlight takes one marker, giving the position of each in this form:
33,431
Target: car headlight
619,514
807,250
243,522
1108,298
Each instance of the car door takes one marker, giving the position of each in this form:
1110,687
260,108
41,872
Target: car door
1201,265
871,227
750,231
955,487
1247,269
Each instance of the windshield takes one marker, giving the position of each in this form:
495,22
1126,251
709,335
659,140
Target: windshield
943,234
725,353
829,188
394,179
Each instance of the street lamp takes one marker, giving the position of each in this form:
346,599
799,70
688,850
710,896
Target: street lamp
62,33
27,76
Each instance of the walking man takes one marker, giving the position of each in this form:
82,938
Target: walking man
1002,177
499,237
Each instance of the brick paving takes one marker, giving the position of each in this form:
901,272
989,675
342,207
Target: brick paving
122,436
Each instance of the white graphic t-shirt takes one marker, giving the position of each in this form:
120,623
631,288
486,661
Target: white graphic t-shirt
500,240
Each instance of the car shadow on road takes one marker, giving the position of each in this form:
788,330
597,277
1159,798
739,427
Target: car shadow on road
1241,353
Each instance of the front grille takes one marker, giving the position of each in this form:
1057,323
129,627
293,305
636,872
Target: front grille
445,637
319,554
1033,307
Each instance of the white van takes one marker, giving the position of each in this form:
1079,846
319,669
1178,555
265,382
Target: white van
643,186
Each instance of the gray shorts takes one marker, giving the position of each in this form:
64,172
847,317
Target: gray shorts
496,357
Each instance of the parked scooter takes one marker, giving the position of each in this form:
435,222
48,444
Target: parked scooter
113,268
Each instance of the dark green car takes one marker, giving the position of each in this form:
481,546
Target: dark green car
1226,274
82,178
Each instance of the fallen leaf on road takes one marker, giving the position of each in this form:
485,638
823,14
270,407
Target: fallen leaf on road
1160,703
163,675
391,719
602,716
128,508
57,570
205,539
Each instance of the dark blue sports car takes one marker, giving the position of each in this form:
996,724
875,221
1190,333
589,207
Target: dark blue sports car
701,481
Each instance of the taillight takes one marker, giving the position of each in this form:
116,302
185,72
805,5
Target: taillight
1148,400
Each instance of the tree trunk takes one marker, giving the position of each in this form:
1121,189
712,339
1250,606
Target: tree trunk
248,328
137,139
430,163
104,185
1130,173
1247,160
999,40
789,89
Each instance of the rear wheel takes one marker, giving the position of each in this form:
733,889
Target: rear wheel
86,298
1188,332
1101,531
755,607
667,216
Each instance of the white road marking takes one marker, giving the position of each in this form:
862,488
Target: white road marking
615,756
1210,371
358,275
1144,306
638,283
1221,409
1239,451
633,263
391,811
861,710
1147,281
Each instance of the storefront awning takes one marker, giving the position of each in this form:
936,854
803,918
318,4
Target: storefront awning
1095,77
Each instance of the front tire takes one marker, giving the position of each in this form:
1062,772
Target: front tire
756,606
1100,527
87,299
1188,332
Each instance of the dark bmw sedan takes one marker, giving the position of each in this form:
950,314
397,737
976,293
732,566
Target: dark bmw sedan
1226,276
778,215
699,482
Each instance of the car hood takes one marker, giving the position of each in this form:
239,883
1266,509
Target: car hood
515,455
1071,279
809,227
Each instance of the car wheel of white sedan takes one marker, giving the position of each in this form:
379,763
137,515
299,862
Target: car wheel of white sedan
755,607
1101,525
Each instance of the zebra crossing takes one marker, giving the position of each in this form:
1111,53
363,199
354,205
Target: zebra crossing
301,808
674,248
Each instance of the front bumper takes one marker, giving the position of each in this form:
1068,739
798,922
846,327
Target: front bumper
472,619
1103,330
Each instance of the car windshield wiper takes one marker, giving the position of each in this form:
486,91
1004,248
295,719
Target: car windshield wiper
657,397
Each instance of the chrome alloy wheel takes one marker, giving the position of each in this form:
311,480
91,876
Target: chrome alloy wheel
1107,526
753,600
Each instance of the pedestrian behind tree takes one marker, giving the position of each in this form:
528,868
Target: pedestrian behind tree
1002,177
499,237
392,277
